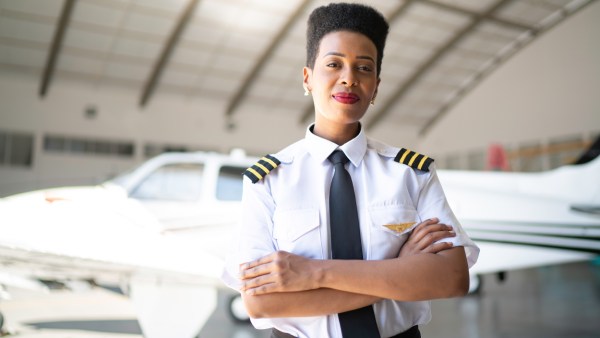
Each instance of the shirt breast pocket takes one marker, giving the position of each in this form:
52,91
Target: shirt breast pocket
390,229
297,231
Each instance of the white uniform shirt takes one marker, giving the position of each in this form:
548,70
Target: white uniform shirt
288,210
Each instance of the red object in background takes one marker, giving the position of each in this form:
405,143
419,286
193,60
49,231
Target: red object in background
497,159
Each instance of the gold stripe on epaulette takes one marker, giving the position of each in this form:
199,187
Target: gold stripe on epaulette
262,168
422,162
267,159
413,159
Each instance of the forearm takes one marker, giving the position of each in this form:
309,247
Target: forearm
298,286
317,302
412,278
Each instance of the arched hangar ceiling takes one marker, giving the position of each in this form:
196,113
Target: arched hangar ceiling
249,53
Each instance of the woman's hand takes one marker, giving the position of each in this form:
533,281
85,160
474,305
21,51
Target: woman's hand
423,237
280,271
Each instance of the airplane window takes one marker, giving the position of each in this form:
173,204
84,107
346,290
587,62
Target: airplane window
229,183
176,182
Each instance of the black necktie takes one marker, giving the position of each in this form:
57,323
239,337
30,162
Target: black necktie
346,243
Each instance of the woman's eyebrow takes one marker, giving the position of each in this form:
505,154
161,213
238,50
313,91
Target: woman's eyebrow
364,57
335,54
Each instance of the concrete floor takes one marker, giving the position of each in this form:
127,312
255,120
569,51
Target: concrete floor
557,301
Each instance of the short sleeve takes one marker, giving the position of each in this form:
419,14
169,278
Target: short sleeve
432,203
254,232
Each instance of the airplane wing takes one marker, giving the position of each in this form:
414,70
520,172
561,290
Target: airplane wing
160,231
589,209
524,220
112,238
502,257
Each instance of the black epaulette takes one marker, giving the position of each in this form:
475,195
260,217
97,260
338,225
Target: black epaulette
261,168
413,159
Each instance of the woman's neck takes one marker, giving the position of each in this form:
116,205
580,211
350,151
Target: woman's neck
337,133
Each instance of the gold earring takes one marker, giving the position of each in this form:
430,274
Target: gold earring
373,102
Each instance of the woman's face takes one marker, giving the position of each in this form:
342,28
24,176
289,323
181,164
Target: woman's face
344,78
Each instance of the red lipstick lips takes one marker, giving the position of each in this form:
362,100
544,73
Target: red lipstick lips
346,98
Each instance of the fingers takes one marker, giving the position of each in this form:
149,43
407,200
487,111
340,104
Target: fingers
261,266
433,236
261,276
257,277
424,236
260,290
427,222
259,285
263,260
437,247
278,272
427,228
257,267
424,227
252,272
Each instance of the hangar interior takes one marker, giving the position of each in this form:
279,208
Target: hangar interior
92,88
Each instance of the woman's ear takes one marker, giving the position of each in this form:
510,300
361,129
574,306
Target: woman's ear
375,92
307,78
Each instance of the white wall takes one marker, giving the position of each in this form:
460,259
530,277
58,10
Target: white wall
549,89
167,119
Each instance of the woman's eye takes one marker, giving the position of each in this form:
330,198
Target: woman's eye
364,68
332,65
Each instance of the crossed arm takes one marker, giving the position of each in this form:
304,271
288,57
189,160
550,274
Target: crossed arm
287,285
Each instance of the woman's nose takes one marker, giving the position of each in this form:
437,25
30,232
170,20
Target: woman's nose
348,77
349,80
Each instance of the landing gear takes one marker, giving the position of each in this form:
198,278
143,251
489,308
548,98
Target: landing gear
475,284
4,331
3,295
237,310
1,325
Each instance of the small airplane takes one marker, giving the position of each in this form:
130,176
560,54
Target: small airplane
161,231
522,220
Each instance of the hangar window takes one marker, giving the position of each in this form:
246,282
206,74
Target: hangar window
453,162
78,145
16,149
565,150
229,183
476,160
172,182
531,157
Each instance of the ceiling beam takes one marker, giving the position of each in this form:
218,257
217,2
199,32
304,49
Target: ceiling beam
422,70
57,41
536,32
394,16
460,10
262,60
167,50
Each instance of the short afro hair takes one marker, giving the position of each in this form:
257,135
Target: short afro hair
337,17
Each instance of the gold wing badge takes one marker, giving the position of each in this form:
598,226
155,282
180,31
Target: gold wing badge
401,227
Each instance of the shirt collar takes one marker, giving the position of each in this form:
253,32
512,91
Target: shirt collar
321,148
